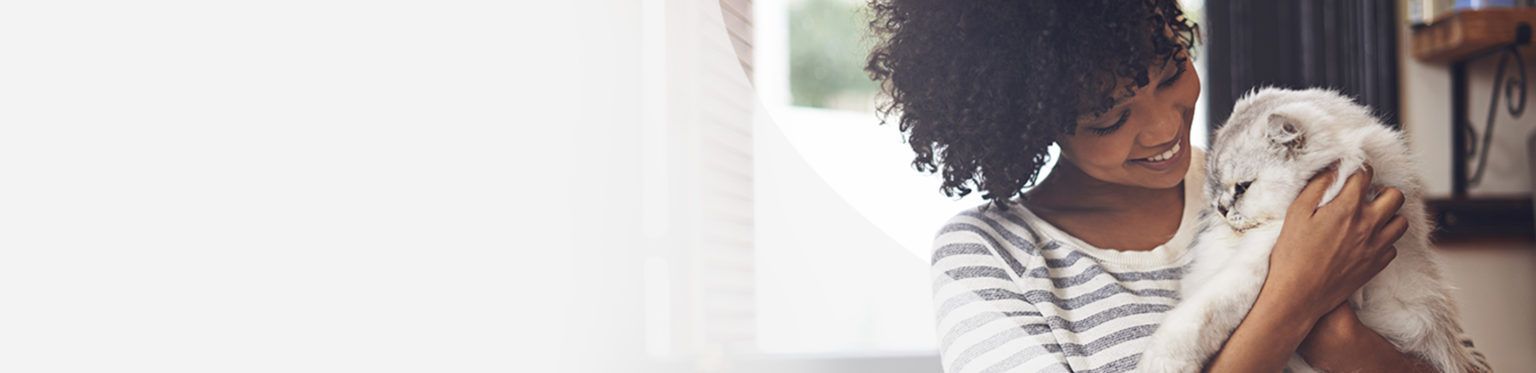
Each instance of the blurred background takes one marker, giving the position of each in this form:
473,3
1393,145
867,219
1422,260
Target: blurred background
604,186
828,272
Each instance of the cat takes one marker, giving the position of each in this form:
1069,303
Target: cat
1273,142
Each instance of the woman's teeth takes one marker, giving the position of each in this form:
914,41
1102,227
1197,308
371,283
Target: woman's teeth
1163,157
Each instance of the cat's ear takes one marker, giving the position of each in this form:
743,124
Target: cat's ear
1286,132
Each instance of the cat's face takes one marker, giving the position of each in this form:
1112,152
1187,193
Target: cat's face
1253,182
1266,152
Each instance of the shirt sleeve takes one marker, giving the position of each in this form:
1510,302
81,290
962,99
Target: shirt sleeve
985,322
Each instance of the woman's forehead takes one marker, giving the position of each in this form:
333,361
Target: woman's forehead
1122,93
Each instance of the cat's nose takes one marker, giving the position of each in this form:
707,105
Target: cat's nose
1222,209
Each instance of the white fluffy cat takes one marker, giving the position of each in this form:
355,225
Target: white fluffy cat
1273,142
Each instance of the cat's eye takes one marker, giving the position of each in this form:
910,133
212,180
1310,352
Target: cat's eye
1241,187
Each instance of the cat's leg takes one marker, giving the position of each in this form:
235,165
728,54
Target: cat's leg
1409,305
1194,330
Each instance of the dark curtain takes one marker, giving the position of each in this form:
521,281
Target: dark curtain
1348,45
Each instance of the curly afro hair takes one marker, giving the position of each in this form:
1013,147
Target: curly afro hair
984,87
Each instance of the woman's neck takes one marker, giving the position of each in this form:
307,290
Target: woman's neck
1068,188
1107,215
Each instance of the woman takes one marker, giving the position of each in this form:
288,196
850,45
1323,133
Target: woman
1076,274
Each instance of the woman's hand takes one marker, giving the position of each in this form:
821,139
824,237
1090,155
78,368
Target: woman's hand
1325,254
1341,343
1322,256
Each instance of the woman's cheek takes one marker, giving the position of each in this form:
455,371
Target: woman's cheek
1106,152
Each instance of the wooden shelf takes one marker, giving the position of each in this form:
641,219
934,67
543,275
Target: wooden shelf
1468,33
1474,220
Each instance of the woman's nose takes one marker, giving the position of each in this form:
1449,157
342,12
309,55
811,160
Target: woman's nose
1163,127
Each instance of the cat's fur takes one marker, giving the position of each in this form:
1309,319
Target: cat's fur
1276,139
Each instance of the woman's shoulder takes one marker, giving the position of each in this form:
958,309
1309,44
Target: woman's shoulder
990,234
1005,225
985,285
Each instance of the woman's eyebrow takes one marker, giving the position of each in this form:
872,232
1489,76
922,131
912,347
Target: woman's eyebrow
1119,103
1113,107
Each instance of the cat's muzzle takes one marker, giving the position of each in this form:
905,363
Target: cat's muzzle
1240,223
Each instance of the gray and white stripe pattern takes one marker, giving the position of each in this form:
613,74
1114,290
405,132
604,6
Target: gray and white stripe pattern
1012,293
1008,299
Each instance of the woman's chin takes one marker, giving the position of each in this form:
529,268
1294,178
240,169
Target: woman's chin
1160,179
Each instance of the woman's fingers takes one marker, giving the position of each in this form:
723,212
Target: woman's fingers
1354,190
1306,202
1385,205
1385,258
1390,232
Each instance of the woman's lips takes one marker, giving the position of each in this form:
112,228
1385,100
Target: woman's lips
1179,152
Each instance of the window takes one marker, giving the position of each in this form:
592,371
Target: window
843,223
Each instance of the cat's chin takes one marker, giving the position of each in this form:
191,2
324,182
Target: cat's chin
1244,225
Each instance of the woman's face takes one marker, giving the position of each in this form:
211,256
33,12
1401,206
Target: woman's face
1143,140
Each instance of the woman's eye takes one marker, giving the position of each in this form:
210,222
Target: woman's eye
1101,131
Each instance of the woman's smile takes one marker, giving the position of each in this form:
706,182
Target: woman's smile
1165,160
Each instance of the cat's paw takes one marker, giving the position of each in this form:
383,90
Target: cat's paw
1164,364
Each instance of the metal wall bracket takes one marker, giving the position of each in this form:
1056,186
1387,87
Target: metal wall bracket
1464,136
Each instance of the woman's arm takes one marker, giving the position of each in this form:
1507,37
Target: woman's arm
983,320
1340,343
1337,342
1266,338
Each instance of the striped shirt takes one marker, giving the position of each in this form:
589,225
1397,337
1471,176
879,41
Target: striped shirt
1013,293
